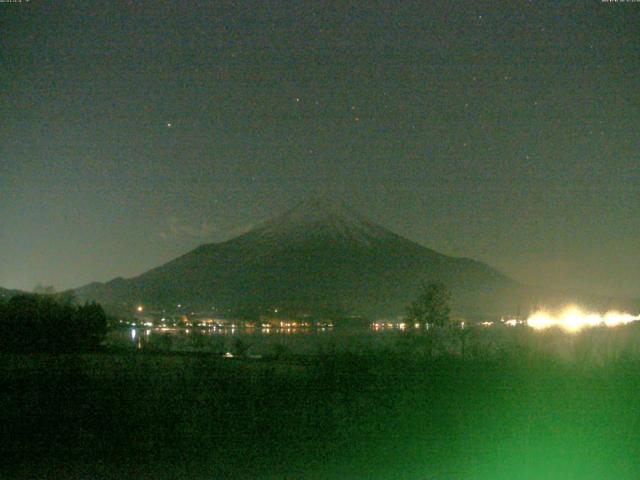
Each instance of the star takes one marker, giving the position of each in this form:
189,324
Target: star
169,124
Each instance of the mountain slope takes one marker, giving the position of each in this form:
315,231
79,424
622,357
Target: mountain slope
319,257
6,294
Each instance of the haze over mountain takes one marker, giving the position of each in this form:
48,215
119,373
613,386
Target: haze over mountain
320,257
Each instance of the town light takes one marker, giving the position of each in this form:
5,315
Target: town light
573,319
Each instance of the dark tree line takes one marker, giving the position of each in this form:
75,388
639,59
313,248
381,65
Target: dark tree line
32,322
431,307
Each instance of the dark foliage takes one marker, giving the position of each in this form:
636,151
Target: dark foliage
31,322
431,307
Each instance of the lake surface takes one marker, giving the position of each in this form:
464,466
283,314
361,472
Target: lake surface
255,341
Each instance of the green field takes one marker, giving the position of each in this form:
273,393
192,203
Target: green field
371,415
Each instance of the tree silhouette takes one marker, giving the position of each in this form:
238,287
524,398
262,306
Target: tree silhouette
48,323
431,307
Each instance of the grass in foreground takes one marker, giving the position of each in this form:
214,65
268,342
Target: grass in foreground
378,416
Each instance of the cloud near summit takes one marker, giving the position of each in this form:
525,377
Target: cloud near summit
179,230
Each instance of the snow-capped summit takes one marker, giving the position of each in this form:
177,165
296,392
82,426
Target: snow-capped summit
321,219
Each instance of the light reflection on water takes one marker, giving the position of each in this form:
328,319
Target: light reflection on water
255,341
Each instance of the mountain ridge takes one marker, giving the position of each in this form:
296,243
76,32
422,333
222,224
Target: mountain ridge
6,293
319,257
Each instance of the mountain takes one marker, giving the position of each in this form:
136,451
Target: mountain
6,294
320,257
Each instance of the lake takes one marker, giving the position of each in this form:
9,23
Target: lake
255,341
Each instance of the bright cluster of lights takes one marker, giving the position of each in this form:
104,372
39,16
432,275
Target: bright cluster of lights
573,319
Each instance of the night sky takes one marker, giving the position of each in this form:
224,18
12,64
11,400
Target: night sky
132,131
